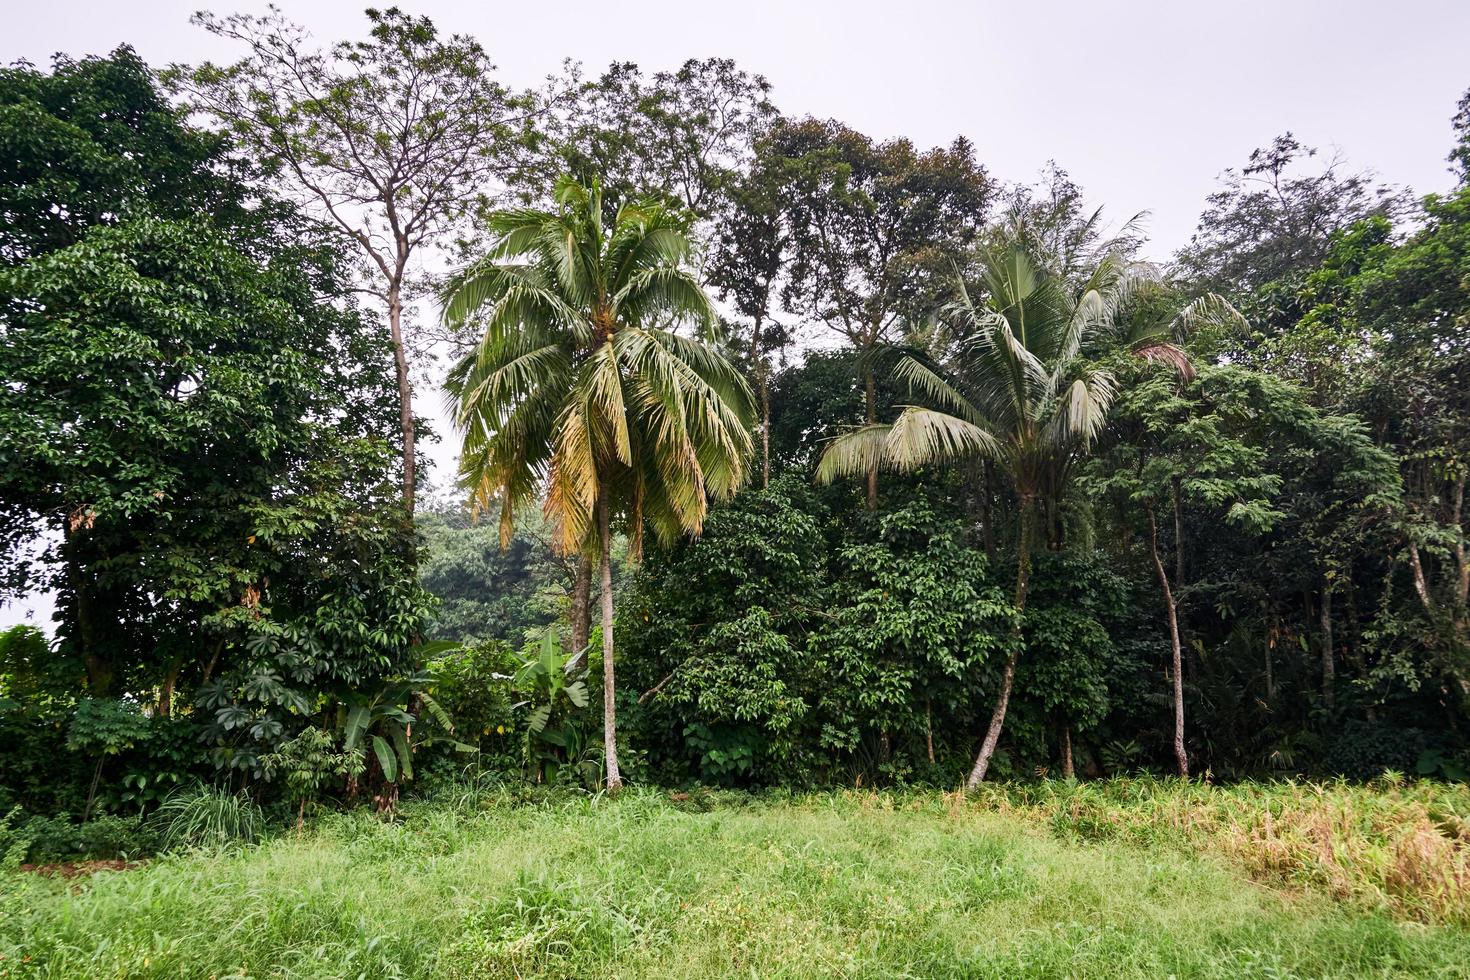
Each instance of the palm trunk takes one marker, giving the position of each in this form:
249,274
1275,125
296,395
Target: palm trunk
609,703
1181,757
1069,770
405,396
1008,677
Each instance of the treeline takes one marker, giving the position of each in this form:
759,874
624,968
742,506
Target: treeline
940,480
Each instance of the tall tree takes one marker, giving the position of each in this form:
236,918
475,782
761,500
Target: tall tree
1013,392
1016,389
750,256
390,140
581,386
876,230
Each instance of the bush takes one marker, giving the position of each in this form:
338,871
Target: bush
58,839
1365,751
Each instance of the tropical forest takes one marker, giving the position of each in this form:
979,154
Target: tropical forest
611,525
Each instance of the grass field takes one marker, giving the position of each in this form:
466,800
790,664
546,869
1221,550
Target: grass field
844,885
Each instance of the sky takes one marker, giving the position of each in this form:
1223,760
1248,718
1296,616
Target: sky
1143,103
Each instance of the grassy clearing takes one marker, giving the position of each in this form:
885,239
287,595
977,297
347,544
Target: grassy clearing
853,885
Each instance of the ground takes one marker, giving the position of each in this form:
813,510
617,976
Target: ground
836,885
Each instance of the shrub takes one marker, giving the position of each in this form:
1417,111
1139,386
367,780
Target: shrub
57,839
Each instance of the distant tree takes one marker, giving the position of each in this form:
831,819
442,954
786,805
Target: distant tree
876,229
1460,155
750,255
1268,221
486,592
681,135
1053,221
581,386
390,140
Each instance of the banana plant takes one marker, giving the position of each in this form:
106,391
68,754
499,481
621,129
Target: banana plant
554,735
382,722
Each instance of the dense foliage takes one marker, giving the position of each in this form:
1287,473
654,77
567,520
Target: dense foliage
945,482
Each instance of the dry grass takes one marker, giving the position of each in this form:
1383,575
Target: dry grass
1395,846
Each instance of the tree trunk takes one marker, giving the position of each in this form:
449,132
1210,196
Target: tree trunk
1178,534
1181,757
763,386
405,396
609,704
1329,669
581,607
1069,771
166,689
929,729
871,398
1008,677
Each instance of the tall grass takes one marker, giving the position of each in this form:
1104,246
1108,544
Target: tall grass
206,816
836,885
1395,846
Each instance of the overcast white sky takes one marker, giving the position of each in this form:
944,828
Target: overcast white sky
1144,103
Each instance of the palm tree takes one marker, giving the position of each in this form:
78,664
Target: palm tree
1018,389
582,388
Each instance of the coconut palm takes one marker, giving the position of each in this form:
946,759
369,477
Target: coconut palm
1018,389
582,389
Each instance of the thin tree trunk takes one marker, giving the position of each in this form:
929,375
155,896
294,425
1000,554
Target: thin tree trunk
1329,668
581,612
1178,534
1069,771
929,729
1008,677
1462,560
763,384
1354,645
1181,757
609,703
405,395
1270,675
213,660
871,393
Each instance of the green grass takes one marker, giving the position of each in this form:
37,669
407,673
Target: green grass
843,885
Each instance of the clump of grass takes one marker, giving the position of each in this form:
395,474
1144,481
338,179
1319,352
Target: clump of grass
208,817
1396,846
